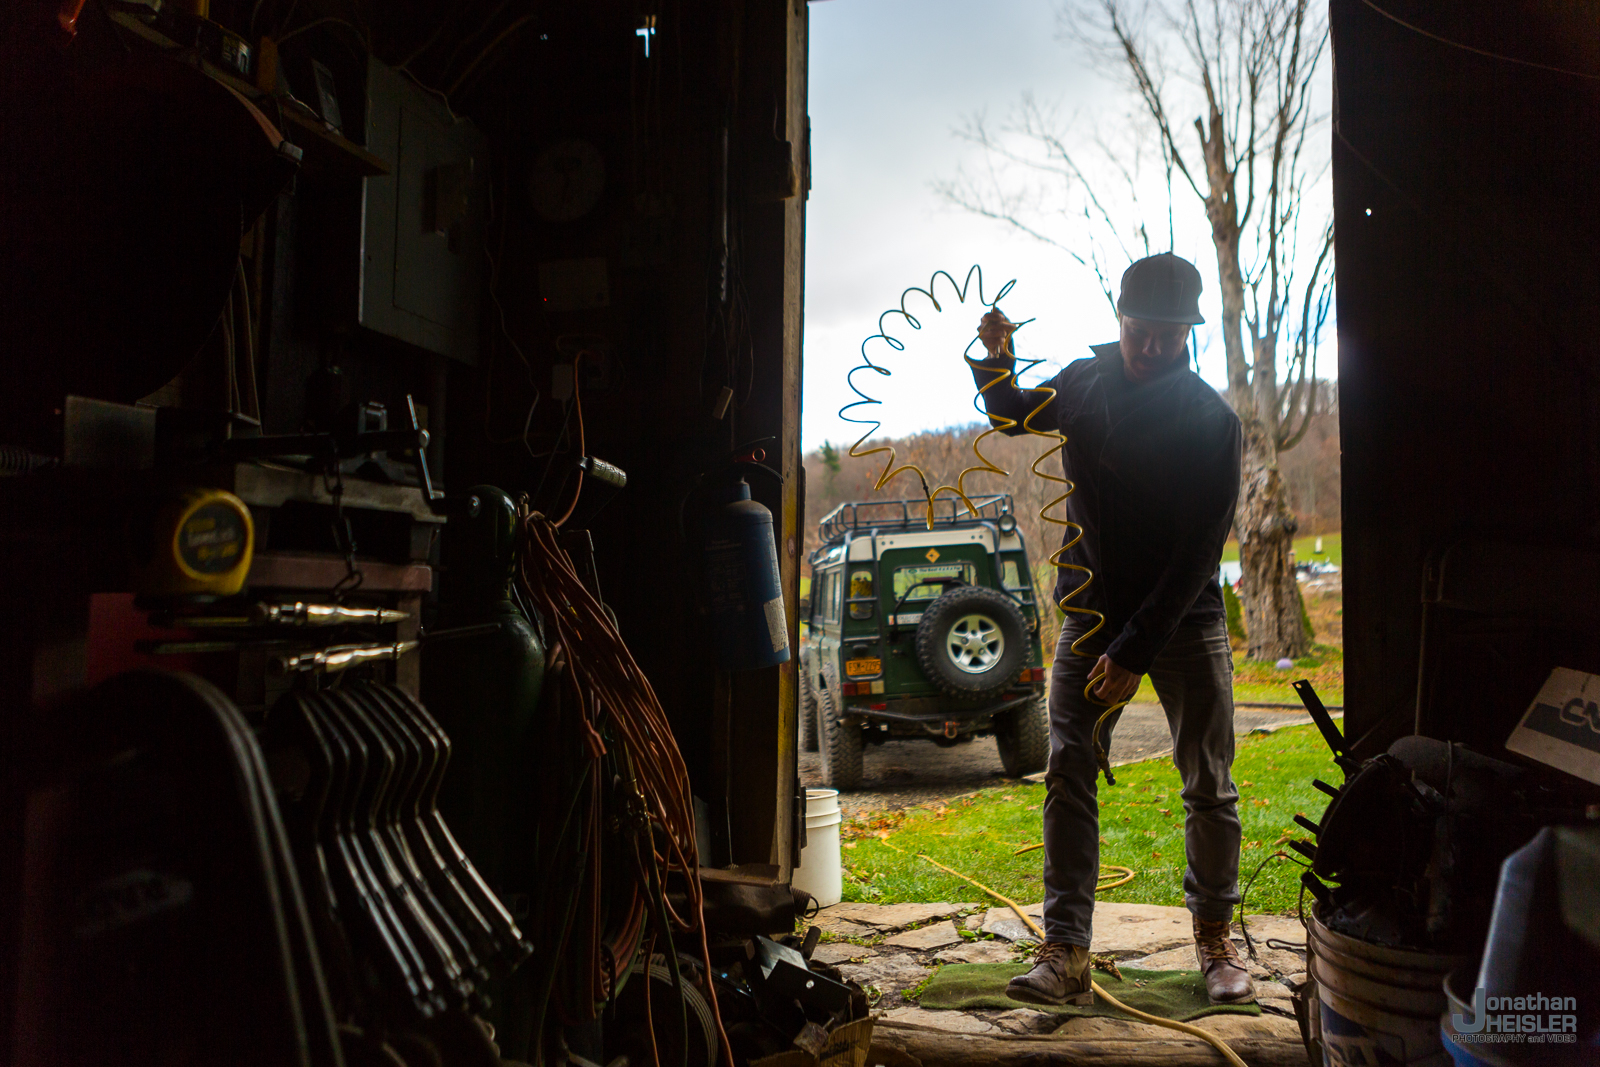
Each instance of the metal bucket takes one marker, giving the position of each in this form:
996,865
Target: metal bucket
1377,1005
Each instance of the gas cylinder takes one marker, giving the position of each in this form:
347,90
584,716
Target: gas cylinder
749,626
484,690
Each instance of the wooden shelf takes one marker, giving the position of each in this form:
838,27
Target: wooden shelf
294,570
271,485
325,149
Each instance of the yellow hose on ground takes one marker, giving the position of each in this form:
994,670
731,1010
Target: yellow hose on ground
1171,1024
1100,887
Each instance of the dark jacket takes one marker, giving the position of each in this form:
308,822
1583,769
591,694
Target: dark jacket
1156,466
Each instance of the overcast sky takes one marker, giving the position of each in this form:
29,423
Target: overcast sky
890,81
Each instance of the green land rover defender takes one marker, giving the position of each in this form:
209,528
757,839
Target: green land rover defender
922,632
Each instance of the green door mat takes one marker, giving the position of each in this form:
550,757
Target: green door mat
1179,995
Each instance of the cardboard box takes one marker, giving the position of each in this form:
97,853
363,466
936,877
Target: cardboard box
847,1046
1561,727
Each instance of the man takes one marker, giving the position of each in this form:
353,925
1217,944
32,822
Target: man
1154,452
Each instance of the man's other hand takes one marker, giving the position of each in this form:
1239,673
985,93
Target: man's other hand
995,331
1117,685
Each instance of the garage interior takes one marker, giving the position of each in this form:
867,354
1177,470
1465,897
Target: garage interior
391,390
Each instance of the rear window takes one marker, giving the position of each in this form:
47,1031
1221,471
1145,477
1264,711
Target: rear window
907,577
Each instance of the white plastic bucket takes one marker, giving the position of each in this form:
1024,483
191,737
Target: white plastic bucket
819,873
1377,1004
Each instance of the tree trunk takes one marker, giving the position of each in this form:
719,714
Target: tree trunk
1272,626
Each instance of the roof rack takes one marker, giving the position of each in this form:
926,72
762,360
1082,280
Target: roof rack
910,514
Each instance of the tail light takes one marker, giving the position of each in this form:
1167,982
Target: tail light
860,689
1034,674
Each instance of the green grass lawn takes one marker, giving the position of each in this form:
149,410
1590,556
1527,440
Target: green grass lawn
1305,549
1141,826
1262,683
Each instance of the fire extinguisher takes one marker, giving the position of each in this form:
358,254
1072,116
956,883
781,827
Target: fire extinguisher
749,625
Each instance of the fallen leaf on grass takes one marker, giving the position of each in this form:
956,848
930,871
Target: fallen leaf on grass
1108,965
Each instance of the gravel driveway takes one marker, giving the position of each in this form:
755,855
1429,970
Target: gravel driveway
903,774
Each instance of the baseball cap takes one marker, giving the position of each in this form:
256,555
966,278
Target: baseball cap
1163,288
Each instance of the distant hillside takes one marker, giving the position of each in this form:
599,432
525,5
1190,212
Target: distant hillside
1310,470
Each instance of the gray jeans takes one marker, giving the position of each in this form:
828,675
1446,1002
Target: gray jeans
1193,676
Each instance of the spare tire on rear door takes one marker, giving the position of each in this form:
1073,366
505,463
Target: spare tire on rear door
972,641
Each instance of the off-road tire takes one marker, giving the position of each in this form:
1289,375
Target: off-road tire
939,620
841,745
1023,737
808,711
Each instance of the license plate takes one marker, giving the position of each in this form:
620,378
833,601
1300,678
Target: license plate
908,620
857,667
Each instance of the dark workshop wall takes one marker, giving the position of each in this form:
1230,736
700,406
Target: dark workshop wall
683,279
1467,224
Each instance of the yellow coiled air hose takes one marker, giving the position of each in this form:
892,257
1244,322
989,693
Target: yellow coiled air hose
1102,757
998,424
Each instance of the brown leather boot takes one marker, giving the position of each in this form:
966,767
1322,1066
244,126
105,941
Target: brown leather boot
1227,980
1060,975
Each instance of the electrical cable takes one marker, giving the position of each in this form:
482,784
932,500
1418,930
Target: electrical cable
1245,893
549,457
611,692
230,369
1479,51
416,52
253,395
487,51
468,38
583,449
361,35
1171,1024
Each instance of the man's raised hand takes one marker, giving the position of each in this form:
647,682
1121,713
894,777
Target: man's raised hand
995,331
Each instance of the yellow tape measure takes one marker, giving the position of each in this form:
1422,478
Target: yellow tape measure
203,542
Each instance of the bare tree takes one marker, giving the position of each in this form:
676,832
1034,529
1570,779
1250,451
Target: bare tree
1251,68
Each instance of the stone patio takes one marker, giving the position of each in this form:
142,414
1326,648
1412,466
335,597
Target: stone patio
890,949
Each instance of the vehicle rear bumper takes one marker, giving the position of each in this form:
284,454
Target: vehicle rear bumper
924,710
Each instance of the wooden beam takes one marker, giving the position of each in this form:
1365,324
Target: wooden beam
907,1045
762,709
